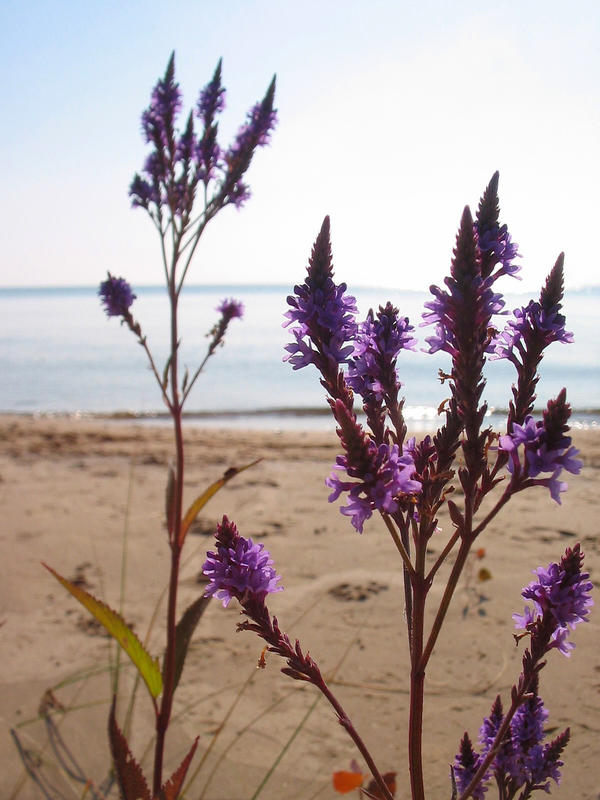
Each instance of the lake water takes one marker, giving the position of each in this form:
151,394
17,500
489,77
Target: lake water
60,354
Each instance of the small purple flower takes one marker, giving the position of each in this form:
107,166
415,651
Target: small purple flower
230,309
446,312
533,328
546,448
521,760
239,568
210,103
487,736
324,314
212,98
527,732
561,601
382,474
496,246
379,340
466,763
256,132
142,192
116,295
530,322
158,120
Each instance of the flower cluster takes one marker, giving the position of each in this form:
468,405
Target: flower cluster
229,309
496,246
468,300
536,325
512,745
546,449
466,307
116,295
522,342
522,761
379,339
180,161
561,601
239,568
322,315
382,472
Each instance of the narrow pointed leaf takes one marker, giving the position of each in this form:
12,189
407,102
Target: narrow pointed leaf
147,666
184,632
203,499
171,789
130,777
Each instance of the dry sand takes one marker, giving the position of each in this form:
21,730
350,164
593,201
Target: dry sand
68,490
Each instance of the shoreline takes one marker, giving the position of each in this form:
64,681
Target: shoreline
418,419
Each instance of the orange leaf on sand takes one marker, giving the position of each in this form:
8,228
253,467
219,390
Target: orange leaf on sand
344,781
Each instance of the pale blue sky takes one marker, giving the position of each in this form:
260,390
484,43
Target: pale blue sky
393,116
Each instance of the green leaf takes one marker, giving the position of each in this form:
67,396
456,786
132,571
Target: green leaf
130,777
184,631
147,666
171,789
203,499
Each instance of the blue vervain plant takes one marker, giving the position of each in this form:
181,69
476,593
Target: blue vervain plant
408,482
187,179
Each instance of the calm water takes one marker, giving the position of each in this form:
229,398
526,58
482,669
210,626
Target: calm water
59,353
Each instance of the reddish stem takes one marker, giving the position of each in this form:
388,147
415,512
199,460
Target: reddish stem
164,715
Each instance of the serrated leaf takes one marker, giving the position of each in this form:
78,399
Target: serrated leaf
147,666
184,632
202,500
131,780
171,789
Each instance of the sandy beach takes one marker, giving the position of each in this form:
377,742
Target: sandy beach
72,491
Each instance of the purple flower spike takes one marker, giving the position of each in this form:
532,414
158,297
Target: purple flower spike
239,568
323,313
230,309
496,244
255,133
116,295
210,104
537,325
525,337
522,761
561,601
382,473
493,240
379,340
465,767
158,121
212,98
546,449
